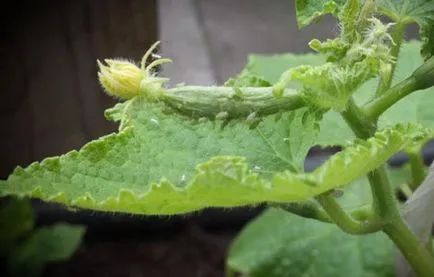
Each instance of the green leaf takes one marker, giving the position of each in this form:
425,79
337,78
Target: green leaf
415,108
58,242
170,156
330,85
46,244
335,49
427,36
271,67
245,79
408,11
278,244
161,163
16,221
309,10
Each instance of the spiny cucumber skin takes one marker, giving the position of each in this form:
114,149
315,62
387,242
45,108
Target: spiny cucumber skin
227,103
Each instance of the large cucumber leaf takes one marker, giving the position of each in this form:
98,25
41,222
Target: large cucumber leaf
416,107
409,11
309,10
161,163
278,243
25,250
427,36
403,11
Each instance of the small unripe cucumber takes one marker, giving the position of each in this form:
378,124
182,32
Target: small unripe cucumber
227,103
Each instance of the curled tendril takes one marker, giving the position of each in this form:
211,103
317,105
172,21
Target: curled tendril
125,79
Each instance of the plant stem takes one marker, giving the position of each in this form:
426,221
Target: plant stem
312,210
385,205
417,165
384,202
362,213
307,209
397,36
422,78
358,120
343,220
416,253
375,108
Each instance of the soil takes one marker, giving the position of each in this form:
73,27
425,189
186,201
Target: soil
191,251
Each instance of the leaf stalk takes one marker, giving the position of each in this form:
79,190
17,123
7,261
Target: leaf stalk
385,205
345,221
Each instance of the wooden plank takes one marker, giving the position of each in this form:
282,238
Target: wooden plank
56,107
51,100
118,30
15,139
79,32
145,18
15,112
184,41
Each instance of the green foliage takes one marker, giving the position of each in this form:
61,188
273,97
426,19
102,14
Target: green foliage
332,84
309,10
188,148
324,94
130,172
117,172
402,11
409,11
27,250
278,243
16,220
427,36
244,79
333,129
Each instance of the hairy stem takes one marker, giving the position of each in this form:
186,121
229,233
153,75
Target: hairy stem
346,222
384,202
416,253
358,120
397,36
385,205
422,78
312,210
307,209
375,108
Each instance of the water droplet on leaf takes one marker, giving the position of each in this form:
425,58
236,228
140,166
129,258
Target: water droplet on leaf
256,168
154,122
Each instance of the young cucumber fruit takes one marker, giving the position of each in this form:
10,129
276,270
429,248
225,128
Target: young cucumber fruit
227,103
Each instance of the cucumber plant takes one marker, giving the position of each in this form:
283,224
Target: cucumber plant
187,148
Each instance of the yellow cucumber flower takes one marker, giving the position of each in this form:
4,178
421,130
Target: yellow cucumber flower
126,80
